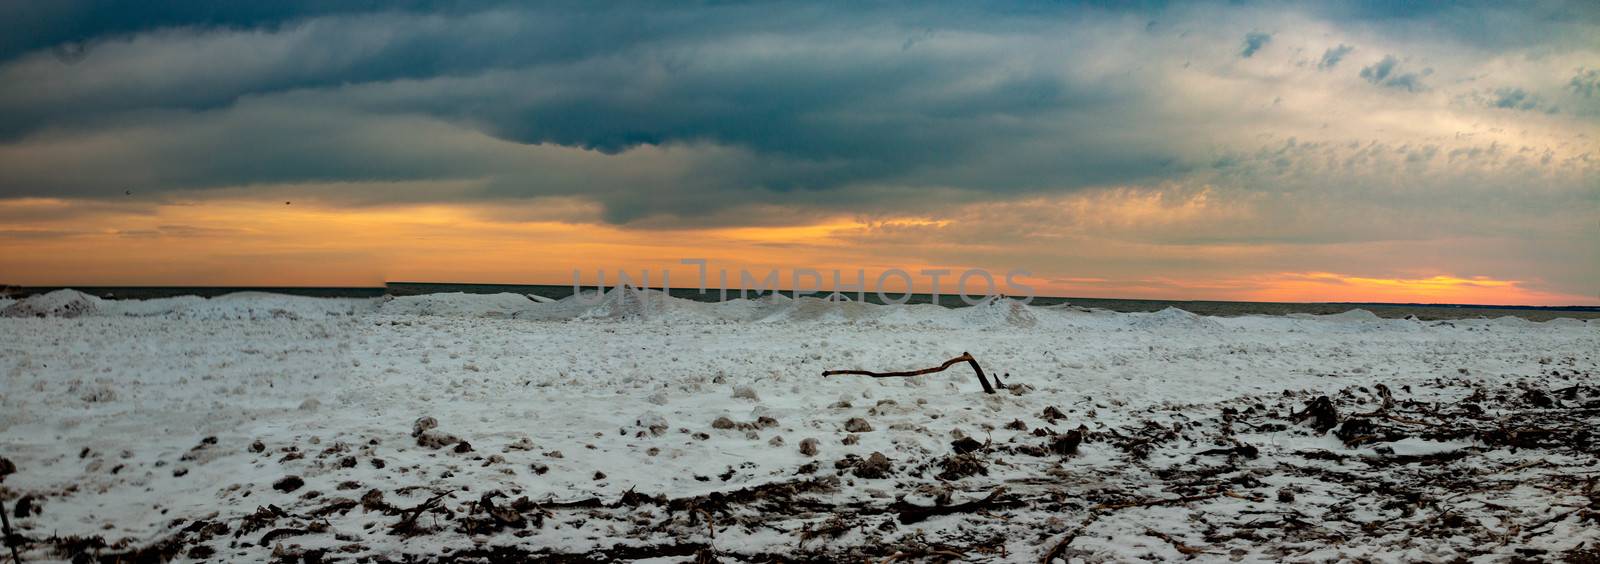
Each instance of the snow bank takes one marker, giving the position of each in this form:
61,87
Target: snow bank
918,314
994,312
1173,318
656,306
1566,322
141,406
241,306
1512,321
152,307
459,304
818,310
628,304
622,303
60,303
739,309
1357,315
1358,321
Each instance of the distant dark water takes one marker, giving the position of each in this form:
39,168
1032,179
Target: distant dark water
152,292
1423,311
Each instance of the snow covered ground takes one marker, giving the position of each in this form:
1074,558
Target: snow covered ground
496,427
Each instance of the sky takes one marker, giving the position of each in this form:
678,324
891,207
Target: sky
1269,151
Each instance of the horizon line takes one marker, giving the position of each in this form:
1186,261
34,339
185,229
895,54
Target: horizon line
387,286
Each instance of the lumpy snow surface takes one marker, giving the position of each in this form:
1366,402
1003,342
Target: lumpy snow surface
178,424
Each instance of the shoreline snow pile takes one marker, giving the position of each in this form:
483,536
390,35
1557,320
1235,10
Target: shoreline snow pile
1173,319
628,304
810,309
1000,311
460,304
243,306
60,303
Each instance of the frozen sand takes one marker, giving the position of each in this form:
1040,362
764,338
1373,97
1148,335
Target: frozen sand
107,415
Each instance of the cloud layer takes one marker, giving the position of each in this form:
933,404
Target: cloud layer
1311,127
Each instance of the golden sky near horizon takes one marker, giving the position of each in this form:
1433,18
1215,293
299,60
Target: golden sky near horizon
252,243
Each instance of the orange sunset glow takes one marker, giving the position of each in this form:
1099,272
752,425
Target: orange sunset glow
252,243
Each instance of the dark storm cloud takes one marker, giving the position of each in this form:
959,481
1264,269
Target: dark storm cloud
79,23
814,103
683,110
202,66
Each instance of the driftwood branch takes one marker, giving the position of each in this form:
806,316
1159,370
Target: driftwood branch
8,468
11,541
408,517
1060,548
965,357
912,513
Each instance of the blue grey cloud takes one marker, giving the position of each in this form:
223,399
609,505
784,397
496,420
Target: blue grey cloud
1386,73
82,23
1485,24
1586,83
1253,42
1381,70
1515,99
1333,55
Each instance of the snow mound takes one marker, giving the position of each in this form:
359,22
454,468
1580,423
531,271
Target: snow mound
1173,318
241,306
1065,307
633,304
152,307
459,304
1511,321
818,310
564,309
738,309
995,312
624,303
1357,315
1566,322
1360,321
774,299
60,303
919,314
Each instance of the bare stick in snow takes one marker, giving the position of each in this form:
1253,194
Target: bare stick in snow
1061,547
7,468
965,357
912,513
408,517
9,541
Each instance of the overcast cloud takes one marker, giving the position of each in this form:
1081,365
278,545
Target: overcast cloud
1308,126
